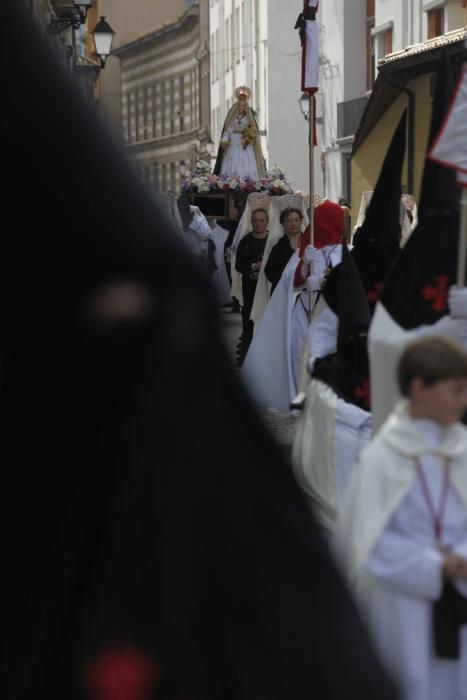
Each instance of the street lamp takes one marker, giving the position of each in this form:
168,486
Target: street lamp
68,13
83,7
304,102
103,35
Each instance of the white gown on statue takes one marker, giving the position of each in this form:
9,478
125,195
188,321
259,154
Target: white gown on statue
237,160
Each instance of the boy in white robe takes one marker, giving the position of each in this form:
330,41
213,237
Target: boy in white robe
402,534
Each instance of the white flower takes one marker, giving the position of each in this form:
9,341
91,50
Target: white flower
200,182
202,166
275,172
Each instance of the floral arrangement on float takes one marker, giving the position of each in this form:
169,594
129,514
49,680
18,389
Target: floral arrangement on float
201,181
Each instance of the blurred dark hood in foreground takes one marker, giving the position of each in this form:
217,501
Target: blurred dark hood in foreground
154,543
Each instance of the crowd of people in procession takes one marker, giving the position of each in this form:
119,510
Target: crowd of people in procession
136,567
315,303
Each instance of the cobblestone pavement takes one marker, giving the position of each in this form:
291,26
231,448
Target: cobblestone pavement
281,425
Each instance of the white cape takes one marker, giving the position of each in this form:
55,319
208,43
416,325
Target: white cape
255,200
329,437
267,369
219,277
276,231
377,492
386,543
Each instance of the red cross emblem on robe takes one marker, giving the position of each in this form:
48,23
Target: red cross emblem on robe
122,674
438,293
363,393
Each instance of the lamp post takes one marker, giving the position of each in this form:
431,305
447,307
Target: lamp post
103,35
304,102
68,14
68,17
83,7
307,108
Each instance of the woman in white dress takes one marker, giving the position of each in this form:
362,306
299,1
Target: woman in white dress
240,151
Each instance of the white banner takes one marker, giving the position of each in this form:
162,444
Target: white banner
450,146
310,59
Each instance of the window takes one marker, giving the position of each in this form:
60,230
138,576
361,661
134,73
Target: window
228,57
145,112
435,22
156,176
128,116
217,124
172,106
214,57
153,111
234,37
244,28
158,113
387,42
384,43
137,115
370,45
182,104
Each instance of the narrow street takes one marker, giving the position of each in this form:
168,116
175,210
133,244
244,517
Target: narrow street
281,425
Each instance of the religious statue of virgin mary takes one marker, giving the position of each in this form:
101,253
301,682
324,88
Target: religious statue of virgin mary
240,151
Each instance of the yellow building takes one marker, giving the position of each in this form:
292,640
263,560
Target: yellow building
405,81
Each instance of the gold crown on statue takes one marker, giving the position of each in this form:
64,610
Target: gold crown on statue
243,91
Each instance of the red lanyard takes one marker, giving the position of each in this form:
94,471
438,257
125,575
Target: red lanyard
437,517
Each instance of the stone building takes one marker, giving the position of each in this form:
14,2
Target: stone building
162,109
129,19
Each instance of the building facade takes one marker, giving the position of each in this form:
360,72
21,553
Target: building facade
129,19
405,81
343,89
356,36
161,80
398,24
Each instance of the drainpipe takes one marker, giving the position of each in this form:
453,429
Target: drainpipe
410,128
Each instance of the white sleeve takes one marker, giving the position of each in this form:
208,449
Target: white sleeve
318,265
405,566
455,328
201,227
323,334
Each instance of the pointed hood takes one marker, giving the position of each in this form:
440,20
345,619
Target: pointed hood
439,186
382,217
329,224
346,372
377,242
416,290
345,295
